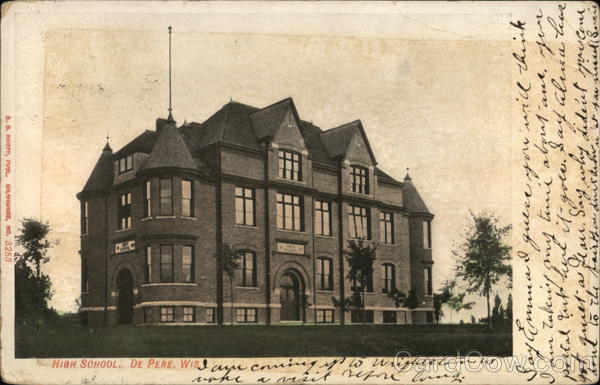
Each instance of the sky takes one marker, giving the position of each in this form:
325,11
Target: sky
437,106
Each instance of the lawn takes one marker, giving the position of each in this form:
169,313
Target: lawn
70,341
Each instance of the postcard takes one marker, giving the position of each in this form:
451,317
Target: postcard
299,192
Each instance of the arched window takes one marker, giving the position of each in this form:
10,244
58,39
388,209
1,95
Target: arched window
324,273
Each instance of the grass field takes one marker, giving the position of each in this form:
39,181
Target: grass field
70,341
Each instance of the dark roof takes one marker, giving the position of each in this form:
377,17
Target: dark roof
238,124
412,200
338,139
380,173
230,124
267,120
316,147
170,150
144,142
101,177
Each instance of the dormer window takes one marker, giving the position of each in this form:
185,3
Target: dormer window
125,164
360,180
289,165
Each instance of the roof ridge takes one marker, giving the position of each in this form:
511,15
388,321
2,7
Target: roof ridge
289,98
343,126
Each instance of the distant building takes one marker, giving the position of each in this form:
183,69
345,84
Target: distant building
282,193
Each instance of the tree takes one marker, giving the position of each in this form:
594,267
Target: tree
360,257
483,258
496,310
33,288
33,238
229,265
457,303
439,299
509,309
399,299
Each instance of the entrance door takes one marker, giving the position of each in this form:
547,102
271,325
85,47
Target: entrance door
125,287
289,296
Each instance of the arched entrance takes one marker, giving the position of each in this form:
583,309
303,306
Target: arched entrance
125,305
291,293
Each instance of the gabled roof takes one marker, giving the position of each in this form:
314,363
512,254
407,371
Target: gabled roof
267,121
337,140
412,200
170,150
101,177
142,143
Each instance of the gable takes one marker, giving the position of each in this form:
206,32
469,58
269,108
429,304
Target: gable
358,150
288,134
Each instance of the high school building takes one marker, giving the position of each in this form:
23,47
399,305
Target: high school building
283,194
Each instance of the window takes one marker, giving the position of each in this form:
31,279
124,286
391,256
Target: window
289,212
84,274
389,317
247,268
210,315
125,164
322,218
358,223
427,234
85,218
166,197
167,314
325,315
166,263
188,263
388,277
386,227
189,314
289,165
361,316
245,315
148,270
427,279
360,180
357,285
187,198
325,273
148,199
244,206
147,314
124,211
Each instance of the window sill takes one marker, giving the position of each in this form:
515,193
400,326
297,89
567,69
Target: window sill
246,226
291,231
85,292
325,236
169,284
165,217
299,182
248,287
387,244
189,218
325,291
145,219
123,230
